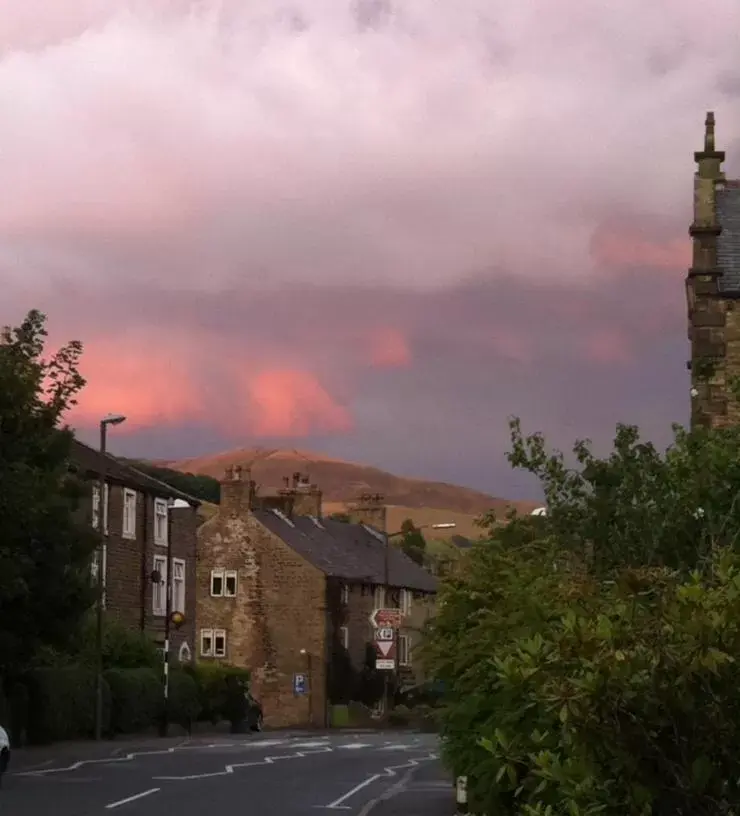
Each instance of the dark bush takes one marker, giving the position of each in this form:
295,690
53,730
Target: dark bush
61,704
212,681
136,699
184,698
123,648
4,707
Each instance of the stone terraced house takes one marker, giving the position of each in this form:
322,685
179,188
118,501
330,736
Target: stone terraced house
135,515
713,289
281,589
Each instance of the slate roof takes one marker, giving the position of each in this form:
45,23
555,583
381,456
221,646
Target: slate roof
350,551
87,460
728,244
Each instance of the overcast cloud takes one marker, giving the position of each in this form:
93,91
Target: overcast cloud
371,228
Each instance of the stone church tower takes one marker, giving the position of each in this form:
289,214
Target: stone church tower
713,290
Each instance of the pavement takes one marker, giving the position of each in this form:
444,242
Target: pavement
379,773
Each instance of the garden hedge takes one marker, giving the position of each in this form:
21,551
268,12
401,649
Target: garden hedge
61,704
212,685
136,699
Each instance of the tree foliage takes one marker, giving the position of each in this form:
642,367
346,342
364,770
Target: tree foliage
413,542
589,656
197,485
44,552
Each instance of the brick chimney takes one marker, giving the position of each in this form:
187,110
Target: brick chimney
304,497
237,491
370,509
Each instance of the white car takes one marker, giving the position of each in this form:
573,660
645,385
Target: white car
4,751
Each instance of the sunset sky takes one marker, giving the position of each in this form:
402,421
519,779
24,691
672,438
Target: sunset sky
372,229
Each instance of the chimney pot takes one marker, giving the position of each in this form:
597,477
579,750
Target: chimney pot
237,473
229,474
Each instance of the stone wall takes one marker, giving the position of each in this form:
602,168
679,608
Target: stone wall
276,624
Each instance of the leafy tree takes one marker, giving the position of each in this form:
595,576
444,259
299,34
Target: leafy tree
45,553
413,542
639,506
197,485
589,656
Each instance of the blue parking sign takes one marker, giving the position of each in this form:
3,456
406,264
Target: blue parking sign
299,684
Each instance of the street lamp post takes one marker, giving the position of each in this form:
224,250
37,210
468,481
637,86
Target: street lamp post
386,592
111,419
177,615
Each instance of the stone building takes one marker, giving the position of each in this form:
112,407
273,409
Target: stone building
281,590
137,530
713,289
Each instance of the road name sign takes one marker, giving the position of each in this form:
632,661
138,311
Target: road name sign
384,618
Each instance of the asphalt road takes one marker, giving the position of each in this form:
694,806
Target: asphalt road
360,774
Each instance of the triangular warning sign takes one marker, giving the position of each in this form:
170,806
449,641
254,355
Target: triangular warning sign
385,646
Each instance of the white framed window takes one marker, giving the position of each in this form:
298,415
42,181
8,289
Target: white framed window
379,597
129,513
345,594
219,643
178,585
96,507
406,598
217,583
159,590
206,642
160,522
344,636
224,583
404,650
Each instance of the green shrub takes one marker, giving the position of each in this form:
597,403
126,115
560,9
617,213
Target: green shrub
399,716
586,696
212,681
184,698
136,699
123,648
61,704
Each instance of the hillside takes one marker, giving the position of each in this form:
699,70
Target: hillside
342,482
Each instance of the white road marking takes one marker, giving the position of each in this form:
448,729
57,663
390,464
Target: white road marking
387,773
354,746
229,769
397,747
132,798
186,745
320,744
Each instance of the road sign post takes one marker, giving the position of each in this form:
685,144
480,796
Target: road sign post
385,623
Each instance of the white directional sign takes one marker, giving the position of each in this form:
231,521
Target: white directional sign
386,633
385,665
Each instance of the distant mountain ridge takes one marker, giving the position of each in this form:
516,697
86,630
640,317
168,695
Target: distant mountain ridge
342,481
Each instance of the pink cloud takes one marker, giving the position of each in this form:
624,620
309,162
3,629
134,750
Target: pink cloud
608,346
389,348
293,403
619,246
